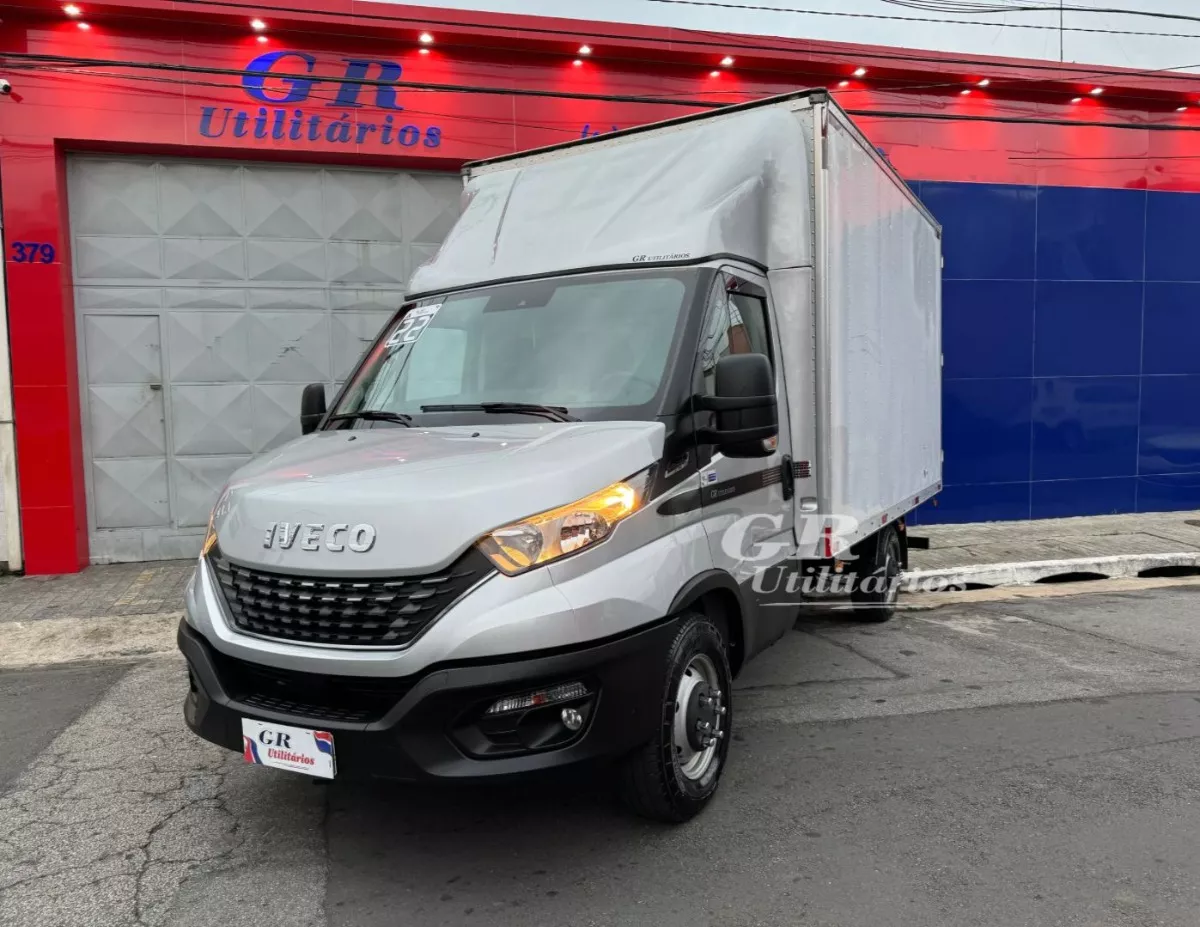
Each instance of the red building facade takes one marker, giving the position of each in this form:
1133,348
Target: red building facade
369,85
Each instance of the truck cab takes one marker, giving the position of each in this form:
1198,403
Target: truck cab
529,531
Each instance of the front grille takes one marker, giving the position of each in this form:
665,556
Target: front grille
328,610
350,699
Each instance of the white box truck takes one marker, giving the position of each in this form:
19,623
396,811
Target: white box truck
531,531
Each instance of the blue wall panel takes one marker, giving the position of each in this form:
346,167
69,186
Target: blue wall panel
1087,329
1166,493
1065,498
1172,327
978,502
1071,333
987,328
990,229
1090,233
1084,427
1170,425
985,430
1170,239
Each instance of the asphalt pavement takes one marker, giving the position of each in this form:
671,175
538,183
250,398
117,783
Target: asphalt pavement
38,703
1031,761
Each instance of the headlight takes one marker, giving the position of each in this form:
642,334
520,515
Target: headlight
541,538
210,539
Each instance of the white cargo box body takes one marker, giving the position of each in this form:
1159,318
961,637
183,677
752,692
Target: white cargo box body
792,187
878,311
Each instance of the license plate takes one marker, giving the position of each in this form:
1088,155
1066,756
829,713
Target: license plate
298,749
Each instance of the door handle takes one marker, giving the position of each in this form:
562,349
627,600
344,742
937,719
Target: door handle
787,476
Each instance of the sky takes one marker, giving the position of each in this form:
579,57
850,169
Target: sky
1071,33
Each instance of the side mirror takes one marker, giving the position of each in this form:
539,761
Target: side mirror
312,407
745,407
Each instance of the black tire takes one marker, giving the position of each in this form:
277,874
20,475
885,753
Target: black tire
653,783
877,577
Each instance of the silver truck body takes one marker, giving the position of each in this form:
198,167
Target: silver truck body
780,212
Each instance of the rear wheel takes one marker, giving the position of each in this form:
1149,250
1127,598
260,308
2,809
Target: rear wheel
673,776
877,577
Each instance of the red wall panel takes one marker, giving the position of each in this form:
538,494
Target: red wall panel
998,135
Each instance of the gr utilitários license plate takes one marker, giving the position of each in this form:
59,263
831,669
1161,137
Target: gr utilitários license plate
298,749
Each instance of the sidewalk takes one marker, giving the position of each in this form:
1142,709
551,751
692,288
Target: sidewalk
114,590
1055,539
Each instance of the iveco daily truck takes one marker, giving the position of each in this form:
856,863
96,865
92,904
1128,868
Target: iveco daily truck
648,380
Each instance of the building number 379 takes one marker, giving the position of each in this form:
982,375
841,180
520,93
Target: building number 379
31,252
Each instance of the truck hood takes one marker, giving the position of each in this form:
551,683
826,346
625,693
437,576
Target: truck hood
427,493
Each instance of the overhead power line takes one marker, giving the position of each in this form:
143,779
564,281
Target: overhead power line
971,6
938,20
985,7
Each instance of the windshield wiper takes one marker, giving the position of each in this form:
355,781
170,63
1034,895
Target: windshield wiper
554,413
374,415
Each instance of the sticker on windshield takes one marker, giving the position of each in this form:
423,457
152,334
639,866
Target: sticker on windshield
411,326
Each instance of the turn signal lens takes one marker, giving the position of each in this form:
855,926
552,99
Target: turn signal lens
563,693
541,538
210,539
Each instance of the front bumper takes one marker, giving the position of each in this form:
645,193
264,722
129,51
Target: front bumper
431,726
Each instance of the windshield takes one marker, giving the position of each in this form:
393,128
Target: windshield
587,344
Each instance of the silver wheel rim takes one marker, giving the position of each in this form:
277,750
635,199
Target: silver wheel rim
893,580
695,763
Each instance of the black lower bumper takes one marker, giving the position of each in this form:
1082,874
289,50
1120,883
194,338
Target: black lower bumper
433,726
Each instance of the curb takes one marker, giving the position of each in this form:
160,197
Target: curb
1023,574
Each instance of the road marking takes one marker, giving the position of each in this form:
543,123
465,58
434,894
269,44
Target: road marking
131,595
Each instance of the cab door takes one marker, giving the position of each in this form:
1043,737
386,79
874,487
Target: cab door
747,507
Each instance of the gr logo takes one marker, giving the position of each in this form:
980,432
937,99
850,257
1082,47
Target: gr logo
296,89
275,739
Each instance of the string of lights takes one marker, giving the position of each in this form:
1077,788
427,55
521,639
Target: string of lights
697,39
16,59
1001,81
1055,71
93,68
708,40
697,98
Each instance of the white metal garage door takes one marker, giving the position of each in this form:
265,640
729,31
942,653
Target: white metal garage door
207,294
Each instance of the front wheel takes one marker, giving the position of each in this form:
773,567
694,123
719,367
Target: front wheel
673,776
